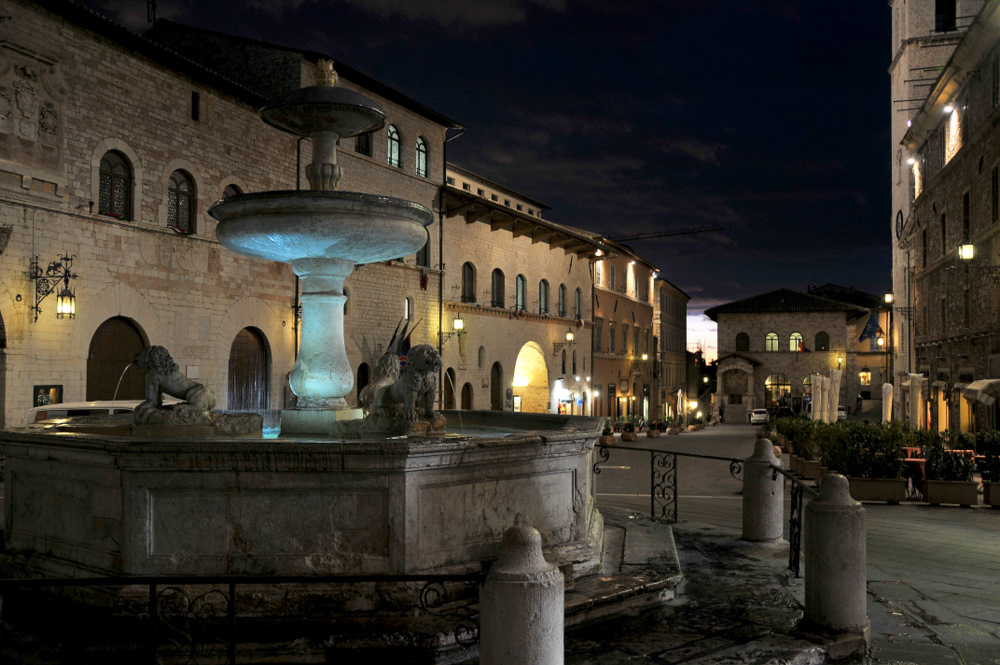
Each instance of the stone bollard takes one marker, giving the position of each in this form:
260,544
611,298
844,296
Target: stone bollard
835,558
763,495
522,615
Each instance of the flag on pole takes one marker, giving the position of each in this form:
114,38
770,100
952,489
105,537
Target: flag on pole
872,328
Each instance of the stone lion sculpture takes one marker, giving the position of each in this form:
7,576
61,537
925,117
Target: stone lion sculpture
400,400
163,377
416,386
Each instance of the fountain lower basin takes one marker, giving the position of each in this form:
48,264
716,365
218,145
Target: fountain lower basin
90,504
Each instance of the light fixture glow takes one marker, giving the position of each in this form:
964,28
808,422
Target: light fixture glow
966,252
645,356
949,108
888,298
458,323
569,335
693,404
910,160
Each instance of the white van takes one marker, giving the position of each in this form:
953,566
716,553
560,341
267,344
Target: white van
71,409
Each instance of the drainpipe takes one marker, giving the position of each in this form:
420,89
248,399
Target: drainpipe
444,183
295,298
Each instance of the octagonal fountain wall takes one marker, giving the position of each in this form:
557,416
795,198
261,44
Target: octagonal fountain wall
93,501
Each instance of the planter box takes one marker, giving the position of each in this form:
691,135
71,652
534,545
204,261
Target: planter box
809,469
962,492
607,439
653,433
673,430
991,494
629,436
890,490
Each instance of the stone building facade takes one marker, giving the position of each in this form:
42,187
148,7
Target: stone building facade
953,297
924,35
771,344
520,284
670,334
112,147
625,367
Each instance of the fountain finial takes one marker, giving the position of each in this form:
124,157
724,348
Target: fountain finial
327,75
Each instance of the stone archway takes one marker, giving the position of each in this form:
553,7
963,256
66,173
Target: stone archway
531,379
467,397
449,389
112,349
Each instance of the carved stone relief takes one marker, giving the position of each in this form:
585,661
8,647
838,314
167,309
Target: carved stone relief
32,95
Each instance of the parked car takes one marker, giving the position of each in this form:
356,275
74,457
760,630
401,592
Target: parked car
758,416
841,413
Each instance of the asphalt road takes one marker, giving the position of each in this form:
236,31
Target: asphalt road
933,572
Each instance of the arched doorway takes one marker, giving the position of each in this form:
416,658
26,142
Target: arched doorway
496,387
362,380
531,380
449,389
249,371
112,349
777,391
467,397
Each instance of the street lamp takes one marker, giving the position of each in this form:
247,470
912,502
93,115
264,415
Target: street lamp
840,360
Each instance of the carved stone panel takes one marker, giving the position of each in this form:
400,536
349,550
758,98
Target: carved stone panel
32,96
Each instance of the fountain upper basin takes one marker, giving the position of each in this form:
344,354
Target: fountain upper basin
290,225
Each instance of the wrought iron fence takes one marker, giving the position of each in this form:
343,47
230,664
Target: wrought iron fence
663,476
194,625
799,490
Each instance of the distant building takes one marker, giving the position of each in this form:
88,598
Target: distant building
770,345
946,330
670,333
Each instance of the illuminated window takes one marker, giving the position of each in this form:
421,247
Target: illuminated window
771,342
421,157
795,342
865,377
952,135
394,155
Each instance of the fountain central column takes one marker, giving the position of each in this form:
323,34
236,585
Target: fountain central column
322,374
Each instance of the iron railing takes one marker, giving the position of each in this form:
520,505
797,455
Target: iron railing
799,489
663,476
189,624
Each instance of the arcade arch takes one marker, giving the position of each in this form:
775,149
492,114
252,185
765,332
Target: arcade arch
531,379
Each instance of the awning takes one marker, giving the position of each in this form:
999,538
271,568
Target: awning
986,391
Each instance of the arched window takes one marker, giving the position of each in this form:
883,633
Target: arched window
543,297
574,361
742,342
421,157
424,255
520,292
231,190
564,361
181,202
468,282
481,362
795,342
771,342
497,284
394,155
822,341
116,186
407,309
562,300
578,304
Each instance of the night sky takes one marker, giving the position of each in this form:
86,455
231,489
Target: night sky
769,118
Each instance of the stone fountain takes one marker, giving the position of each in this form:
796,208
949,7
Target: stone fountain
323,233
99,501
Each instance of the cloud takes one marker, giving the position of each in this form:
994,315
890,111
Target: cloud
703,151
453,12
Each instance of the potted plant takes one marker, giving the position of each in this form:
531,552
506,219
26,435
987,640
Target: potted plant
949,477
695,423
871,457
628,431
607,437
653,431
988,443
674,426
